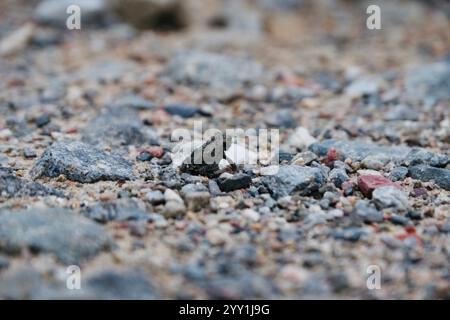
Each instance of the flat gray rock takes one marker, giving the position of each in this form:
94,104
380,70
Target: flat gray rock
294,179
70,237
81,162
426,173
12,186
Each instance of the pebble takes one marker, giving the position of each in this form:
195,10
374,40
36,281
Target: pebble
338,176
43,120
70,237
367,212
155,197
235,182
301,139
368,183
196,196
304,158
390,197
29,153
174,206
292,179
81,162
398,174
426,173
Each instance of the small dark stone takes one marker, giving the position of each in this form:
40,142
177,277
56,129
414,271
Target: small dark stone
338,176
285,156
414,215
238,181
214,188
204,160
43,120
401,220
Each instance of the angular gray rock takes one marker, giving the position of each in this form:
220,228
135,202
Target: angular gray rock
70,237
426,173
81,162
390,197
422,156
12,186
294,179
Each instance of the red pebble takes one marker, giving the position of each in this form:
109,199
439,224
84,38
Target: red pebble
368,183
332,156
155,151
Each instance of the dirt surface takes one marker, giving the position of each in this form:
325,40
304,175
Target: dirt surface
89,174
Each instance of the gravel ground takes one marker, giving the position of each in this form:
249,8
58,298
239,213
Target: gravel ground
89,175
